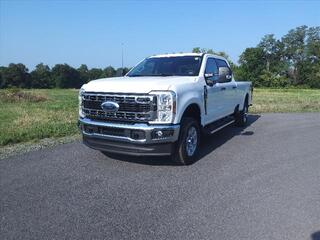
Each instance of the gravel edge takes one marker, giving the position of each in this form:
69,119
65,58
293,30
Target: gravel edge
21,148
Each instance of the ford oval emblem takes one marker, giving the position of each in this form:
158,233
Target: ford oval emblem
110,106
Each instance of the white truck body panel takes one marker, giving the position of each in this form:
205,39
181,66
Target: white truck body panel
214,102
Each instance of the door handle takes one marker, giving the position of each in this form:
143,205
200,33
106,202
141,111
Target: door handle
234,87
223,88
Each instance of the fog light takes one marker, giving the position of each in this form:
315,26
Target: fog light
159,133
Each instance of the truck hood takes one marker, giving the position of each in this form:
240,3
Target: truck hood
136,84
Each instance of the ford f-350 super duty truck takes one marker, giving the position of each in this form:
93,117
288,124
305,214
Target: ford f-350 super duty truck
162,106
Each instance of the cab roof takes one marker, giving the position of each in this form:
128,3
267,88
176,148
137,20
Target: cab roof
185,55
177,55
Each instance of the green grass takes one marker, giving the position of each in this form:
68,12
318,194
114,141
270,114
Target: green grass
285,100
32,115
25,120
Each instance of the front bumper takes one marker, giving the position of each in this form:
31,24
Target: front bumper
132,139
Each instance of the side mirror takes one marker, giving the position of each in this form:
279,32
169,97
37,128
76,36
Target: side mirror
210,79
225,74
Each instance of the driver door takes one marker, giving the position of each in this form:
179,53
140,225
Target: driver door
214,99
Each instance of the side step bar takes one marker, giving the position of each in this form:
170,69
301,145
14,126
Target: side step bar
218,125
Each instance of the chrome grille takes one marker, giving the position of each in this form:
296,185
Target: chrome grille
135,108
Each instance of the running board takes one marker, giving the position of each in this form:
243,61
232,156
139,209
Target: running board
223,126
216,126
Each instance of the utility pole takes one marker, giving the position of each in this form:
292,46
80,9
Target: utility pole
122,59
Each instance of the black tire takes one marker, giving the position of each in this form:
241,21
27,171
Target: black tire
242,116
184,153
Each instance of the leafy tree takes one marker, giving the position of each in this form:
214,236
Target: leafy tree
66,76
196,50
302,53
252,63
294,44
310,68
293,59
294,50
41,77
121,72
2,83
310,72
16,75
95,73
273,51
83,73
313,43
270,79
109,72
202,50
210,51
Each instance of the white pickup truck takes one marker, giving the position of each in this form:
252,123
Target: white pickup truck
163,106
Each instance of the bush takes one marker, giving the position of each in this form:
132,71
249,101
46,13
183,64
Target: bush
18,95
269,79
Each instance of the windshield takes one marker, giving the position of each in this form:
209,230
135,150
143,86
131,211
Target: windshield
167,66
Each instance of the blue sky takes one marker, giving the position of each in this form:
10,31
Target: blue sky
91,32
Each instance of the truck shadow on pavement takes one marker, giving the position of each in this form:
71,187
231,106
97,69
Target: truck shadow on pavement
207,146
315,236
210,143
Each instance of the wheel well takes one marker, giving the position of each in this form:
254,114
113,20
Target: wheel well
236,109
246,100
193,111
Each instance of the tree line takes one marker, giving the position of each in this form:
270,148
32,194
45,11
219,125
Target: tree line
292,60
60,76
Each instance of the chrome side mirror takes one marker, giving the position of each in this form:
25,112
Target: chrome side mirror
225,74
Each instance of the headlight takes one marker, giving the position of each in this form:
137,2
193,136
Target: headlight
81,92
166,106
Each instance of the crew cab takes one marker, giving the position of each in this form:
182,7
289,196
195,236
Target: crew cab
163,106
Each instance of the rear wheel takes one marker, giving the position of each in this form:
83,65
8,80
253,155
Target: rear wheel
188,143
242,116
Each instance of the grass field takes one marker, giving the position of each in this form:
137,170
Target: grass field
31,115
47,113
285,100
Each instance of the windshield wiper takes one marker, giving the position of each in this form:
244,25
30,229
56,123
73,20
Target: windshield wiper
161,75
151,75
135,75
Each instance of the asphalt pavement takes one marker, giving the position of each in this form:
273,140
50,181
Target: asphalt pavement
258,182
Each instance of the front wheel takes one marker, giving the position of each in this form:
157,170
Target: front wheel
188,143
